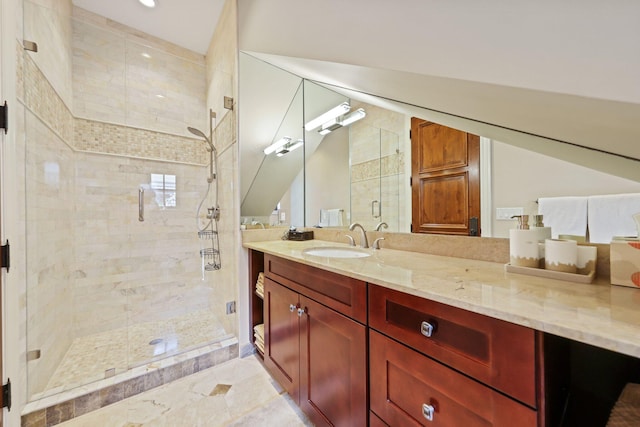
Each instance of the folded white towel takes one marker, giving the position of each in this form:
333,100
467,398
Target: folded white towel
335,217
565,215
612,215
259,329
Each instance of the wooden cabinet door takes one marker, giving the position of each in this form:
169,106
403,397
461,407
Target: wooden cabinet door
445,180
281,336
333,367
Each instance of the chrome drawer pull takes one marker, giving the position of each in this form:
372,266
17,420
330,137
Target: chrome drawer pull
426,329
292,308
428,411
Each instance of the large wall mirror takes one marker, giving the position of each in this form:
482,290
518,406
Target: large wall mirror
360,172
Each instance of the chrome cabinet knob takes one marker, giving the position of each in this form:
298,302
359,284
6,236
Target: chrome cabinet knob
301,311
292,308
426,329
428,411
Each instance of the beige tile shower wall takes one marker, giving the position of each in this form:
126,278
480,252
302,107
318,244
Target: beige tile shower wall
48,215
221,62
48,23
377,167
50,248
129,78
130,271
98,73
224,282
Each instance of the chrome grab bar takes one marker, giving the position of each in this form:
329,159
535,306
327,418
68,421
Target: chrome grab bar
141,204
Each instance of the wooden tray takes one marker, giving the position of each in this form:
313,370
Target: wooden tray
550,274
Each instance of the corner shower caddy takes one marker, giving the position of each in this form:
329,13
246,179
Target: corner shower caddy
211,254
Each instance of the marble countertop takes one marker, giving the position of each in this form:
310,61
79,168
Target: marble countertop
599,314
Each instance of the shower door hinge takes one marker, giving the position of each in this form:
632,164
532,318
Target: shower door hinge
30,46
228,103
5,256
4,117
6,395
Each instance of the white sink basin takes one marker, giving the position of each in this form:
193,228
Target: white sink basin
336,252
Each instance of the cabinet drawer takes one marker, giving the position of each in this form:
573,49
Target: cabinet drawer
410,389
345,295
492,351
375,421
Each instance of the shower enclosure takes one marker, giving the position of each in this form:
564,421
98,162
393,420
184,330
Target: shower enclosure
113,183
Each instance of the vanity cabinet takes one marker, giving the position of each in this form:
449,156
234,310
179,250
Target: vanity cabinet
316,340
434,364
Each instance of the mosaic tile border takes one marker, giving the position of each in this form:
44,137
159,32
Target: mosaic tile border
385,166
107,138
155,377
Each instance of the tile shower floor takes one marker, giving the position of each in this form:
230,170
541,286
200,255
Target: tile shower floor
97,356
236,393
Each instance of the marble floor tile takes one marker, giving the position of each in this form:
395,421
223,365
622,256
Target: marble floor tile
236,393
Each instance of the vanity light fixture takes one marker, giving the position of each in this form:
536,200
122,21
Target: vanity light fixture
295,145
148,3
329,126
329,115
353,117
339,122
279,143
287,148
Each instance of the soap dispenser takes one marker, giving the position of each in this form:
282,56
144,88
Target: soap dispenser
544,233
523,244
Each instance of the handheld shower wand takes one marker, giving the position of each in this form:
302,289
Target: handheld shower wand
211,149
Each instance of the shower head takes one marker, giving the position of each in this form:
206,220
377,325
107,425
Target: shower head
199,133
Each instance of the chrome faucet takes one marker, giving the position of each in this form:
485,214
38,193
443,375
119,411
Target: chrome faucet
350,238
376,243
363,234
381,225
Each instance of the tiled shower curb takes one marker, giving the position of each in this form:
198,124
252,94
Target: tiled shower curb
94,400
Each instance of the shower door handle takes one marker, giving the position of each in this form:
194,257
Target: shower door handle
373,209
141,204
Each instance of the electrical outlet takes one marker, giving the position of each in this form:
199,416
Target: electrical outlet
231,307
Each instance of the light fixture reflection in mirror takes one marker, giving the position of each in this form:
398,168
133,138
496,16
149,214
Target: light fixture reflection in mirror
276,145
287,148
327,117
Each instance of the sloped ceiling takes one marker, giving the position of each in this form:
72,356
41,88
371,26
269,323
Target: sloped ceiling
561,70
